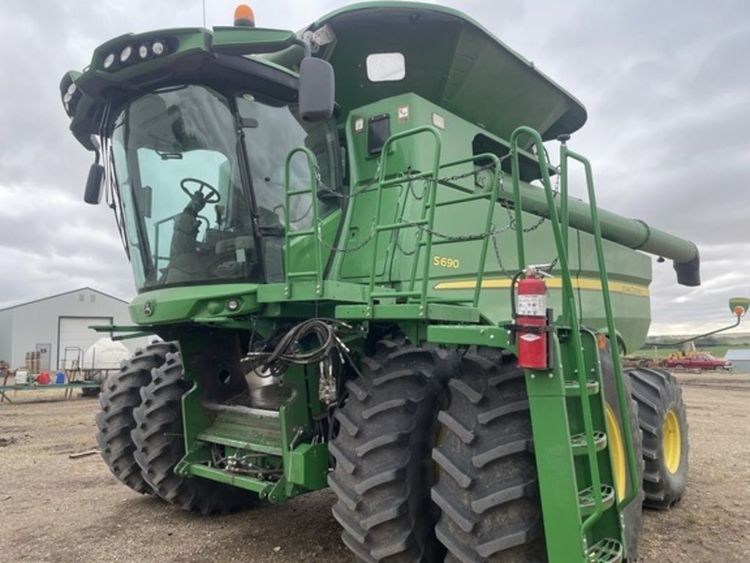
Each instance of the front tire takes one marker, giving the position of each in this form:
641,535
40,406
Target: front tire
159,443
487,484
383,471
120,394
663,420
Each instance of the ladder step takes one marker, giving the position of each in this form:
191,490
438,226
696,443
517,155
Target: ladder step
244,428
578,443
586,499
573,389
605,550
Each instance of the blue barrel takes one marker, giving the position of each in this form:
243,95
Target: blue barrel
60,378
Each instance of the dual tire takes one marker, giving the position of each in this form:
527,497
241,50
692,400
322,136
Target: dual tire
410,433
119,397
406,476
383,472
140,433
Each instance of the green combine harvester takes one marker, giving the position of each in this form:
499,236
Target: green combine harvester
368,275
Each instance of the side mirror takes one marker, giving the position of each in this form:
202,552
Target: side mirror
93,193
317,89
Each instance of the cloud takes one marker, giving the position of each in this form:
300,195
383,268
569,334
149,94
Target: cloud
665,88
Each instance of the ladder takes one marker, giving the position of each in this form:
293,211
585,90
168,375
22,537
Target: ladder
580,509
313,231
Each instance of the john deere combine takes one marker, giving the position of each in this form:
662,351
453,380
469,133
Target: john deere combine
387,291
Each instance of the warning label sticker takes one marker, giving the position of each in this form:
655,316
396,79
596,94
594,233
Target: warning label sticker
532,305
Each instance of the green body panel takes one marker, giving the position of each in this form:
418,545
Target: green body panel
560,511
184,304
308,465
245,432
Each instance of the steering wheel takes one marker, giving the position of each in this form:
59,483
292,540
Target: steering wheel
212,194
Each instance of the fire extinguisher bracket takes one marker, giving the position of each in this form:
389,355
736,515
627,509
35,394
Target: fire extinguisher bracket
537,329
530,331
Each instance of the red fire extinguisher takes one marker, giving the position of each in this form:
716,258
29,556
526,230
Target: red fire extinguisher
532,321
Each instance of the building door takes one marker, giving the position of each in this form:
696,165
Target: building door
75,337
44,355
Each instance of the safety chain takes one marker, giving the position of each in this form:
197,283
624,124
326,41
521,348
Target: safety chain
493,233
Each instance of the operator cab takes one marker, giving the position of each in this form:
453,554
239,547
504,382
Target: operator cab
203,198
191,134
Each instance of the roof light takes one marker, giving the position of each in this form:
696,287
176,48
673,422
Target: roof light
125,53
158,48
143,51
109,60
244,16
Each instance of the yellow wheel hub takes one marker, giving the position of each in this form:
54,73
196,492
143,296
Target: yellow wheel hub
616,452
671,441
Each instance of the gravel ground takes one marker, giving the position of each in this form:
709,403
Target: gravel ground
59,509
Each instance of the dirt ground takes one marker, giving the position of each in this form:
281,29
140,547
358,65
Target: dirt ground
53,508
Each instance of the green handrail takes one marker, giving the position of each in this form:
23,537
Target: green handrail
518,201
622,394
429,210
564,213
569,317
288,235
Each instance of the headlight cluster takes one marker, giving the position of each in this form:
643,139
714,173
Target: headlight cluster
130,54
70,93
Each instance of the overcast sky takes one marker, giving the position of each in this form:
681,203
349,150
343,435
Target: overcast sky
666,85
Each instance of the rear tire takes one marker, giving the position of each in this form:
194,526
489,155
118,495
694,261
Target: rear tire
159,443
487,484
383,471
633,513
120,394
661,412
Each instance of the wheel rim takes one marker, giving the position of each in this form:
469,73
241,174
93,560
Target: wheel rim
616,452
671,441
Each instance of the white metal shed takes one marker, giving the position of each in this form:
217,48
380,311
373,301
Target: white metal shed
58,327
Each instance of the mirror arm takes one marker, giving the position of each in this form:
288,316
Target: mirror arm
305,46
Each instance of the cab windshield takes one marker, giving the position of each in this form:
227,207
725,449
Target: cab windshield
191,175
